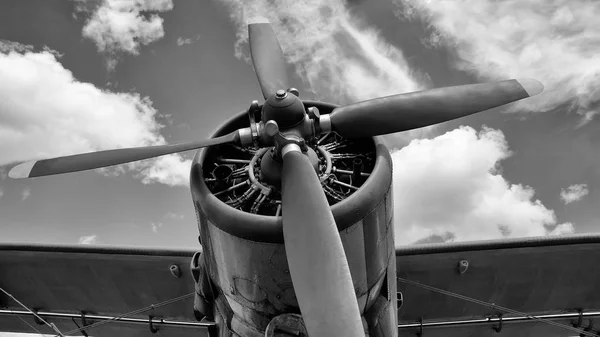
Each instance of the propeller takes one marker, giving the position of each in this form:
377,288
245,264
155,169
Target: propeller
93,160
267,57
316,258
318,265
413,110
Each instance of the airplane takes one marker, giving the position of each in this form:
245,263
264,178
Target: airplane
295,216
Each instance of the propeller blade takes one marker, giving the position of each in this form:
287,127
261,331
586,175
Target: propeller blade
422,108
318,265
267,57
94,160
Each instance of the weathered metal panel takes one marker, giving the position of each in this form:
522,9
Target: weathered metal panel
533,276
97,280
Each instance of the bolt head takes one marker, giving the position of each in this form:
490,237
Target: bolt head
294,91
271,128
313,112
281,94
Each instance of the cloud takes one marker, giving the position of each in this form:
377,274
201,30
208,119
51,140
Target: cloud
156,226
123,26
574,193
181,41
562,229
3,173
1,192
88,240
46,112
172,170
26,193
174,216
554,41
338,56
450,188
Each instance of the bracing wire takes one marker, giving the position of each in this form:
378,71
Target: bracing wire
31,326
134,312
497,307
51,325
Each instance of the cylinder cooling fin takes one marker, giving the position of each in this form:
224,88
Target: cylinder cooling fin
248,179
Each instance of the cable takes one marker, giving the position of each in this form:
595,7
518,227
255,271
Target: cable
51,325
135,312
31,326
495,306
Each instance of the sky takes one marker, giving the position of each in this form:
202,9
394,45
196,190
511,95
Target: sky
81,76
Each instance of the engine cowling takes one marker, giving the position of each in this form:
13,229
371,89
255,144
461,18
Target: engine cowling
237,203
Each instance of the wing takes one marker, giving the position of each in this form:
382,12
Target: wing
61,282
553,278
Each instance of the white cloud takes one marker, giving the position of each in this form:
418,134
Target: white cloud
450,187
174,216
574,193
338,56
1,192
46,112
88,240
156,226
563,228
181,41
554,41
172,170
26,193
124,26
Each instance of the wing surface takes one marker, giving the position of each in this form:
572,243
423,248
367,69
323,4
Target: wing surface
552,277
100,282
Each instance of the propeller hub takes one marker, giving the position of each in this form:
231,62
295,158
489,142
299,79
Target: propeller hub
287,110
270,167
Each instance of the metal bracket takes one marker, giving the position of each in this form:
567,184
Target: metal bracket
498,328
36,317
399,299
151,324
589,328
462,267
175,270
281,140
254,108
579,320
83,322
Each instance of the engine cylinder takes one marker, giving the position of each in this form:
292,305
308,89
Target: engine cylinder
245,256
